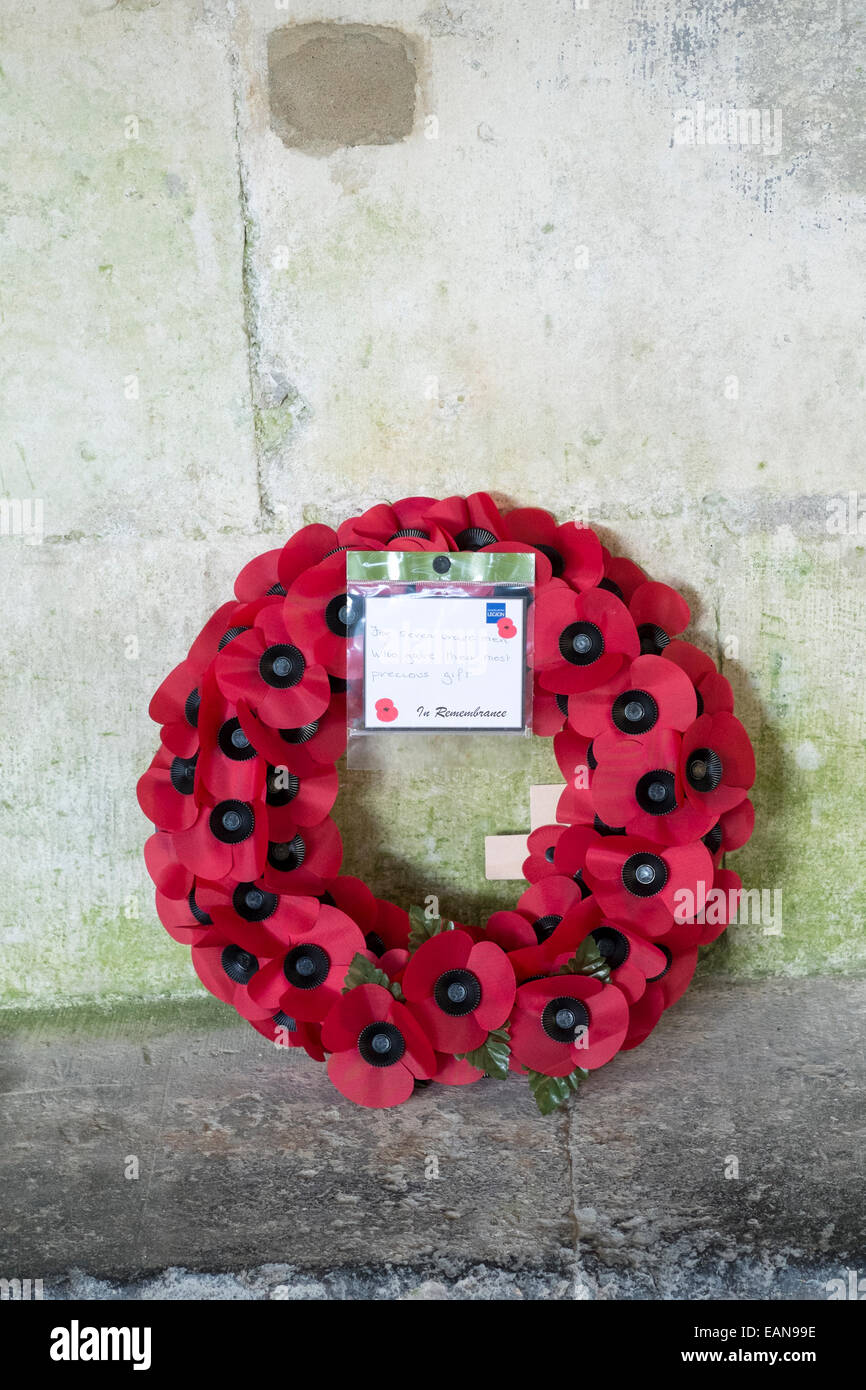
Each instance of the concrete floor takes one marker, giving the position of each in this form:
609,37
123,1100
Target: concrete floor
255,1180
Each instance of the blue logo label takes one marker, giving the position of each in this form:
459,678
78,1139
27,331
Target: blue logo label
495,611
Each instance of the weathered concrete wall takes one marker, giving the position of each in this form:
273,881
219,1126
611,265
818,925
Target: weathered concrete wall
212,336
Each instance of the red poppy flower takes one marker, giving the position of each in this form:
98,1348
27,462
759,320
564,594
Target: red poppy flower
631,959
352,896
171,877
322,614
270,668
659,613
455,1071
567,1021
638,881
647,694
228,837
228,764
386,711
284,1031
720,908
295,803
403,526
176,702
549,711
183,918
547,902
639,787
621,576
306,979
681,955
227,971
510,930
506,629
260,578
302,748
717,763
252,917
541,844
378,1049
458,990
303,863
390,931
305,549
471,523
165,791
570,855
713,690
574,552
737,825
581,640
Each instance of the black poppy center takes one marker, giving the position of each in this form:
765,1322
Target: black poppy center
713,838
634,712
545,926
232,821
557,563
564,1018
381,1044
284,1021
704,770
562,705
229,636
601,828
307,966
612,587
655,792
252,903
474,538
238,964
669,960
413,532
202,917
612,945
182,775
374,943
287,855
283,786
190,708
342,615
653,639
644,875
581,643
591,759
549,853
457,992
234,742
302,734
282,666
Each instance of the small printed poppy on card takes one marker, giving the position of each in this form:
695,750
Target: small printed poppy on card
386,711
505,627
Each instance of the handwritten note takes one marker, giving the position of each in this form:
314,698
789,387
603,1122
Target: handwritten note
444,663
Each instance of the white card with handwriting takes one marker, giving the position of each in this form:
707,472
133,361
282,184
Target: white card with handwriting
444,662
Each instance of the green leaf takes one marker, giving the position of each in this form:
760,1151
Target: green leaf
493,1054
587,960
422,927
551,1091
363,972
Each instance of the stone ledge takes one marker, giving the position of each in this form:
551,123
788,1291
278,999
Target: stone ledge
255,1175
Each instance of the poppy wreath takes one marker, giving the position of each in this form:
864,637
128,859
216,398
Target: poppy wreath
622,890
